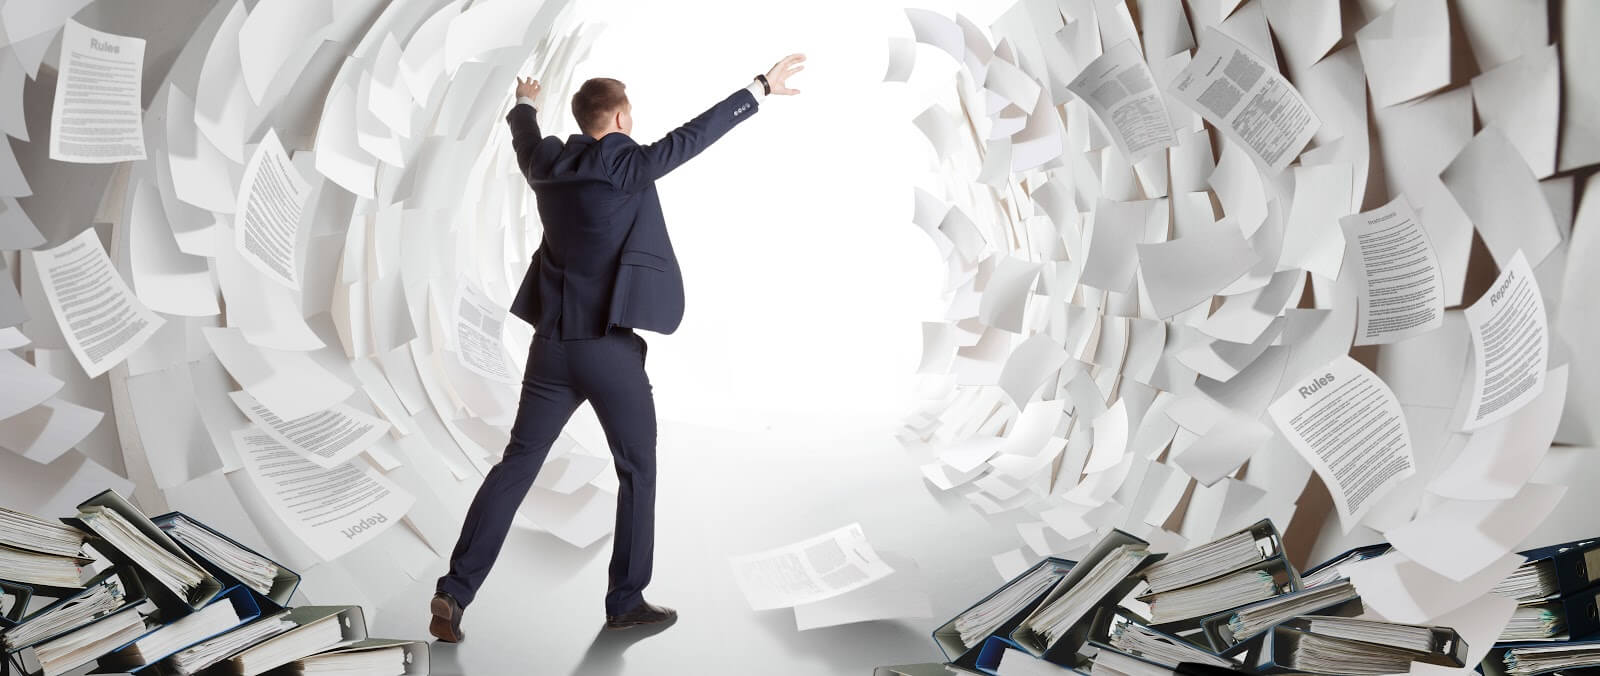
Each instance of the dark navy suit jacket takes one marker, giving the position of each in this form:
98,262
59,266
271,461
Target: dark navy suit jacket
605,259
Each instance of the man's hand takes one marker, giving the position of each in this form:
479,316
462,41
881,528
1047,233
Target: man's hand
528,87
779,75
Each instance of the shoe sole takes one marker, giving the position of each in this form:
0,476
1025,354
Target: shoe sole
639,623
444,625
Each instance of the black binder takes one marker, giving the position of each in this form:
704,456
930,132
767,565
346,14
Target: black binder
1064,651
18,596
133,594
949,639
171,604
1576,564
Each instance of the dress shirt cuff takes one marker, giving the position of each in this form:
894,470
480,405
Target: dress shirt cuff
756,89
524,99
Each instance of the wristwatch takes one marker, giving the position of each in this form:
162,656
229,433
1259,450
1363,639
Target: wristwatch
766,88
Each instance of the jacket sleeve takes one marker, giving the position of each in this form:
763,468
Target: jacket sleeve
525,137
634,166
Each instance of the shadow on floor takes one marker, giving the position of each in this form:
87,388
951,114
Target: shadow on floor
604,656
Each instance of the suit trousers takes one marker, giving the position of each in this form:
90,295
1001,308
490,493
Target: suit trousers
607,371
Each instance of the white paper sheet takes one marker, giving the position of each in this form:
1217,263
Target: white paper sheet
331,510
1406,50
1459,538
44,432
1312,239
1498,191
290,384
1184,272
1402,590
1349,426
271,198
97,116
479,325
1401,289
1247,100
328,438
1510,344
810,570
1523,99
102,320
902,594
1120,90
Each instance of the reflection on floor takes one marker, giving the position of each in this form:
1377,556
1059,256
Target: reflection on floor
720,493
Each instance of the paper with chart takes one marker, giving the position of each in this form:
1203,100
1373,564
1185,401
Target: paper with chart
329,437
1510,345
811,570
479,327
99,316
267,225
331,510
1120,90
1247,100
1348,425
97,116
1402,294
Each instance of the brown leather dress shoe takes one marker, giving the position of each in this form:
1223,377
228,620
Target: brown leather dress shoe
643,614
446,623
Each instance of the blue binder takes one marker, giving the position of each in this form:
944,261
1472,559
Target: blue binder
949,639
1580,612
17,606
1576,564
133,595
994,650
283,585
127,660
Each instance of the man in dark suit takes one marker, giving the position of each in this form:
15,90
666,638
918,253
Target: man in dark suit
604,268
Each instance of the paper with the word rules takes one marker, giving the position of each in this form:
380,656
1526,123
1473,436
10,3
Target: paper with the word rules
1349,426
97,116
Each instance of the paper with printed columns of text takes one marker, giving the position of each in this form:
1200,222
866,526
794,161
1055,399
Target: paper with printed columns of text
99,316
808,571
1120,90
98,112
267,226
1348,425
1510,345
1402,292
1247,100
328,438
331,510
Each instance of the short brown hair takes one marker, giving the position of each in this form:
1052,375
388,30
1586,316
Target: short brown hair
596,101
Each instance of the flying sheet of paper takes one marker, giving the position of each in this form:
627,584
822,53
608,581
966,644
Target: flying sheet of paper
1403,290
1312,239
1006,295
1459,538
46,431
1120,90
102,320
1523,99
810,570
1402,590
1580,100
1247,100
172,434
1112,258
1184,272
274,36
331,510
479,325
97,117
1349,426
1510,345
1406,51
328,438
290,384
1498,191
271,198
